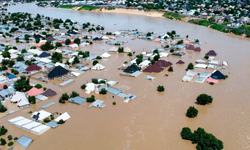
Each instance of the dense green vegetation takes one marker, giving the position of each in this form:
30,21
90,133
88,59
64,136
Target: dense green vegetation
173,16
204,140
89,8
67,6
32,99
222,28
192,112
90,99
22,84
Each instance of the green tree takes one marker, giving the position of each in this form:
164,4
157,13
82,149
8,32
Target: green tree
61,122
95,80
95,62
65,96
204,99
74,94
186,133
20,58
77,41
9,137
22,84
103,91
90,99
68,41
37,40
47,46
38,86
206,56
3,131
120,50
32,99
190,66
170,69
58,44
76,60
83,86
192,112
56,57
6,54
5,86
3,142
160,88
2,109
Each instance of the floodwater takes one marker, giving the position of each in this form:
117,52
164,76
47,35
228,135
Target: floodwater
153,120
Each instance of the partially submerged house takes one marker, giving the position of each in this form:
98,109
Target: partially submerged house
58,71
131,69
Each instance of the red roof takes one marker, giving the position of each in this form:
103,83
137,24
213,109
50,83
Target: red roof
71,43
163,63
63,42
190,47
197,49
1,86
34,92
153,68
211,53
180,62
33,67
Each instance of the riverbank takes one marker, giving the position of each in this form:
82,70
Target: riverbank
161,14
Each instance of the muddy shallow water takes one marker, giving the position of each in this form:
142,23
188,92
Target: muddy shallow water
153,120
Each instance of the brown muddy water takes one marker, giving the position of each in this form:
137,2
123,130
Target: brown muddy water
153,121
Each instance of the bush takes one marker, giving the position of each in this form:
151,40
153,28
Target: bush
211,83
3,142
9,137
130,54
114,103
226,76
90,99
52,117
46,120
83,86
95,62
16,138
103,91
204,99
61,122
38,86
170,69
186,133
160,88
192,112
190,66
172,50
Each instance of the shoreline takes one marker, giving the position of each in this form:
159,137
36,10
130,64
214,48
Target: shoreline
151,13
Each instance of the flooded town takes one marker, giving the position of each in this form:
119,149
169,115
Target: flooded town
95,80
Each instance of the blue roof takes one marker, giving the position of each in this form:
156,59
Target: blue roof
91,56
11,90
11,76
67,82
135,74
131,96
44,54
77,100
47,105
24,141
122,95
52,124
113,90
4,93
